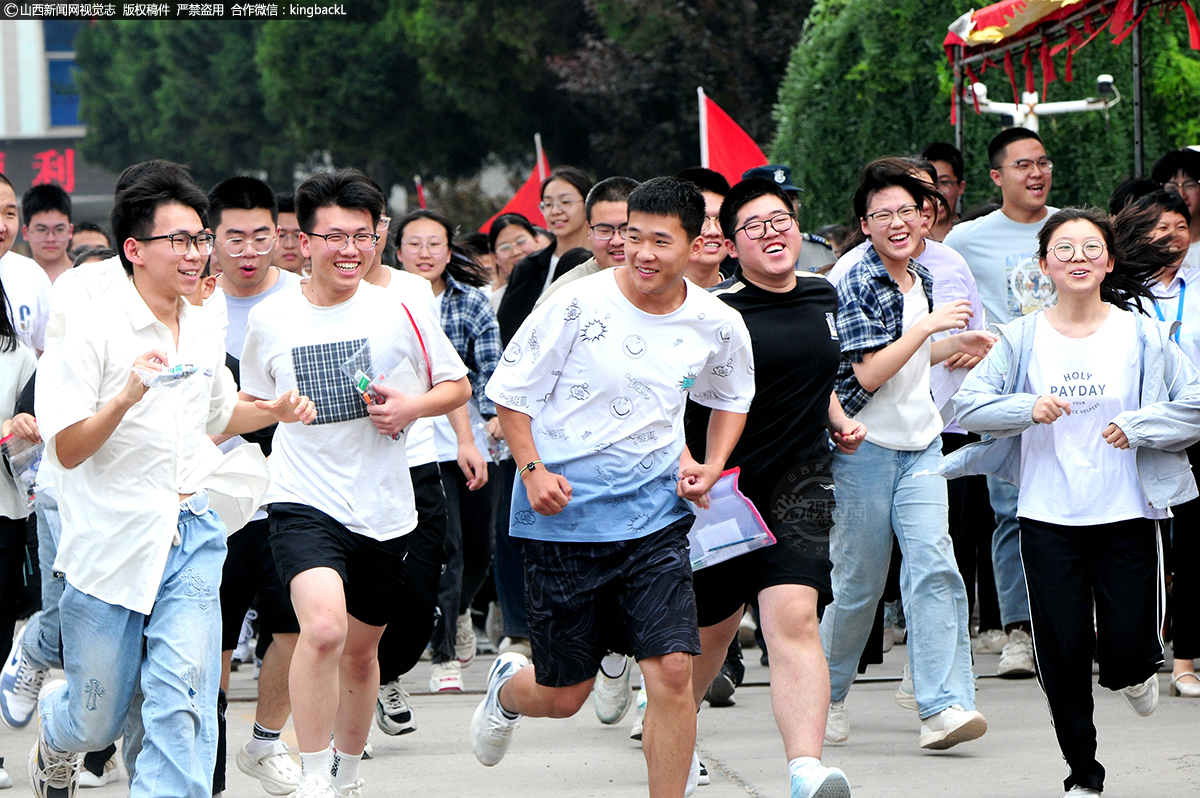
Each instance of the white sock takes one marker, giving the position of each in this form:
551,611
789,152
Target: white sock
613,664
800,762
344,769
262,738
315,765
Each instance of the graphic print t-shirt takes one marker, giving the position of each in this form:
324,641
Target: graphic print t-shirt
606,385
340,464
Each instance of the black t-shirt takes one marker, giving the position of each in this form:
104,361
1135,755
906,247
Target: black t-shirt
796,356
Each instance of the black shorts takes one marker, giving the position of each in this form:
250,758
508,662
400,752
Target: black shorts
372,571
630,596
801,522
250,570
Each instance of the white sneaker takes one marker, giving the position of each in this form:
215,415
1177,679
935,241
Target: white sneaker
314,788
111,773
837,725
464,640
393,714
445,677
612,695
693,776
276,771
814,780
1081,792
19,686
242,652
353,790
491,729
1143,698
53,773
991,641
906,694
1016,660
950,727
5,779
639,715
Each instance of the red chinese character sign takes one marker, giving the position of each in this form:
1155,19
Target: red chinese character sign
52,166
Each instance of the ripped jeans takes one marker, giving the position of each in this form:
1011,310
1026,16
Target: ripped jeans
175,652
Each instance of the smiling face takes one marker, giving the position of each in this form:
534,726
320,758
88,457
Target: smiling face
658,251
895,240
513,243
336,275
158,271
245,274
769,261
424,250
1173,226
1077,274
8,218
566,217
610,218
1025,193
714,240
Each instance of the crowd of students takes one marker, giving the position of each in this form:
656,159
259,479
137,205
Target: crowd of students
352,423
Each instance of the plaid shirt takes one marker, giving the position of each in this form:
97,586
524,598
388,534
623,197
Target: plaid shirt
470,324
870,317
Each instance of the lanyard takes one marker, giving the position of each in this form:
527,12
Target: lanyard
1178,312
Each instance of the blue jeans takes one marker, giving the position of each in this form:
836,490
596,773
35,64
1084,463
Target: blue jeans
175,654
42,642
880,490
1006,553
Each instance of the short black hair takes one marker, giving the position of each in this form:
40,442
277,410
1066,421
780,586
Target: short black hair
286,202
885,173
1165,201
157,166
1184,160
476,243
576,177
1000,142
706,179
243,194
157,183
343,188
744,193
1129,190
943,151
670,196
610,189
92,253
92,227
46,197
6,182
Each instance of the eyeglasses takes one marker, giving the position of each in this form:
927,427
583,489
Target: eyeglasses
1186,187
605,232
41,233
289,236
259,245
434,247
1025,165
755,230
385,222
180,242
336,242
947,182
711,221
564,205
1065,250
883,218
514,246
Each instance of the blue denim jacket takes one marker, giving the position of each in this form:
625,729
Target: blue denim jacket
992,403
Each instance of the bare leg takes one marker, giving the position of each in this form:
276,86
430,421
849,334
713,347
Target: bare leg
358,672
274,703
669,738
714,643
320,603
799,672
523,695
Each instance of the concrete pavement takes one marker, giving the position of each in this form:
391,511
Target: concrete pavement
579,758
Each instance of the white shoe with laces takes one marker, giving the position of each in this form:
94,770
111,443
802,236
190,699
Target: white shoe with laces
393,713
837,725
314,788
612,695
53,773
445,677
491,727
464,640
111,773
19,686
991,641
950,727
1016,660
275,770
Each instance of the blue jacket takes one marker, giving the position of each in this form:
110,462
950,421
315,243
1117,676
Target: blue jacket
992,403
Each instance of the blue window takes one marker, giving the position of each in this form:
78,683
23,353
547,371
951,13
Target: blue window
59,37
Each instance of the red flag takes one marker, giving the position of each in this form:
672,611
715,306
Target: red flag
420,191
526,200
724,146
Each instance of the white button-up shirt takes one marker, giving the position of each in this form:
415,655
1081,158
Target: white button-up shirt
1168,307
120,507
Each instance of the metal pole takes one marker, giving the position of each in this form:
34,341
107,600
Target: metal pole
703,126
1139,133
959,105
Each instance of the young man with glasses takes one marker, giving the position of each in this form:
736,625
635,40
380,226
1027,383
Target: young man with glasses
47,213
139,483
948,162
242,214
341,500
1179,171
1001,250
288,256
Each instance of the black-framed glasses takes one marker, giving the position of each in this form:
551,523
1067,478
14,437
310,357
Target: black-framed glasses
780,223
336,242
906,213
260,245
1025,165
180,242
1065,251
605,232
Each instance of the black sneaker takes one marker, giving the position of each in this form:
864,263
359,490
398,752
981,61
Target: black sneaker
720,692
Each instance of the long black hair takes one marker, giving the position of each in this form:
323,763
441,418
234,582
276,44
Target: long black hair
462,267
1137,256
8,333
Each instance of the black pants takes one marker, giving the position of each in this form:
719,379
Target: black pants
1069,569
1183,561
408,632
971,526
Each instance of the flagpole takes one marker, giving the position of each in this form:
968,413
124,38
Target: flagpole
703,127
540,155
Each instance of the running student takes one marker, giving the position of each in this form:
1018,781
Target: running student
1090,404
591,392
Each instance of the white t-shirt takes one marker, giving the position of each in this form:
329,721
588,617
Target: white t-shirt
1069,475
28,291
16,367
901,415
1002,255
606,384
237,308
412,289
340,464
